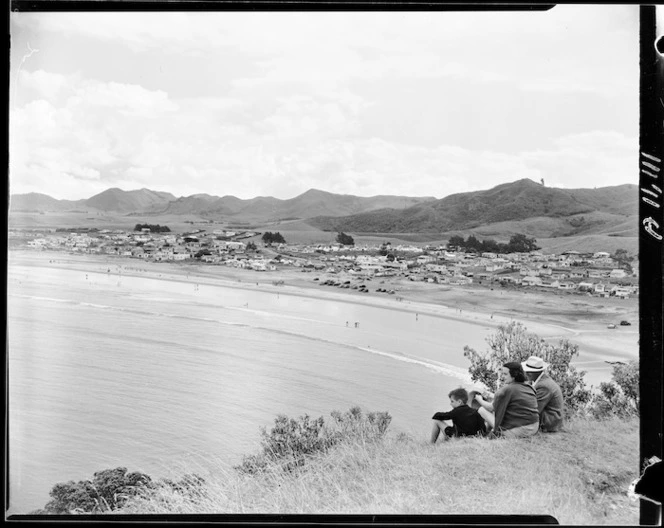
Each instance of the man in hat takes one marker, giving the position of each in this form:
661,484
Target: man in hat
550,403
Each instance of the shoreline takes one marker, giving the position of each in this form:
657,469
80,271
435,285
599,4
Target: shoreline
582,320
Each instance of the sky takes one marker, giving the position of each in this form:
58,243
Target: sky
276,103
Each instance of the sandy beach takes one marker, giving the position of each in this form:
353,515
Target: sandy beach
580,318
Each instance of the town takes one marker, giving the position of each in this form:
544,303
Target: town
597,274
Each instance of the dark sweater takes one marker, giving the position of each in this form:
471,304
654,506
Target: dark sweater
515,404
549,403
467,421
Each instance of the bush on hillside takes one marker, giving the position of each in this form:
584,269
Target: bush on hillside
291,441
353,424
512,342
109,490
620,396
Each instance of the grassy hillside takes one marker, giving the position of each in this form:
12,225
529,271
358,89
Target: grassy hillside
127,201
570,211
579,476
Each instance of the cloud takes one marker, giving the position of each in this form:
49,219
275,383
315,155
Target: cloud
110,134
81,127
360,103
591,159
548,50
44,85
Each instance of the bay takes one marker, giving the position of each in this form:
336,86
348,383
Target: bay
172,376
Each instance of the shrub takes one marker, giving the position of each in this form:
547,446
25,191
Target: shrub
513,343
110,489
354,425
107,491
291,441
620,396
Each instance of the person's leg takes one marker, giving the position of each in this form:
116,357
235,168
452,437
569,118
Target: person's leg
438,426
487,416
523,431
450,432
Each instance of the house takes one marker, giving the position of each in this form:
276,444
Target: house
459,280
621,291
618,274
600,288
530,280
236,246
586,286
258,265
566,285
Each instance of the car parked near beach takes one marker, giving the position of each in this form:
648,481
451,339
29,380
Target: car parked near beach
625,323
610,325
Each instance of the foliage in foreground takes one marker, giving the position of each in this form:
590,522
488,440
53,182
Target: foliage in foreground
512,342
620,396
109,490
291,441
562,474
287,446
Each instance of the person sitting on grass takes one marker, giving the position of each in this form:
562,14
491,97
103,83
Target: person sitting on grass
465,420
513,411
550,402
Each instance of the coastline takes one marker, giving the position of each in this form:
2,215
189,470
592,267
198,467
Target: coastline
581,319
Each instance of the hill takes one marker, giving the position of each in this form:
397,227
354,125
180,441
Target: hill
523,206
259,209
563,475
128,201
566,212
41,203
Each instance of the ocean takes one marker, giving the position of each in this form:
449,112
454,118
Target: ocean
170,376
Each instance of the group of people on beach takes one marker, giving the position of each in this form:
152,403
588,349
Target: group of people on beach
527,402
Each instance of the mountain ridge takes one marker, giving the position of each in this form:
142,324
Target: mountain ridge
522,204
517,201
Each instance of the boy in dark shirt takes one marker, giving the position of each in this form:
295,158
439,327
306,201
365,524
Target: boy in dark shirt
466,421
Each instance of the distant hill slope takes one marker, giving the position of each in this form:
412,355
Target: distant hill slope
517,201
37,202
519,207
262,208
128,201
194,204
314,203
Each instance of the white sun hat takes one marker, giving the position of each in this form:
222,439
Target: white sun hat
534,364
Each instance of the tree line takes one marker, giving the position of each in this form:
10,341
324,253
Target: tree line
154,228
518,244
273,238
